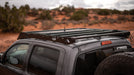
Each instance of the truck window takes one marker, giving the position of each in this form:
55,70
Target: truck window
16,55
87,63
43,61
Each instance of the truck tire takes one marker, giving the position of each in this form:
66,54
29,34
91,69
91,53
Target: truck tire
118,64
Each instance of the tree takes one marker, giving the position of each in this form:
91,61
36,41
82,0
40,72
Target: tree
131,12
103,12
45,15
10,19
79,15
115,11
68,9
125,12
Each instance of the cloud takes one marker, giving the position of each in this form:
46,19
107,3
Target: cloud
124,4
65,2
110,4
100,5
13,2
43,3
80,3
32,3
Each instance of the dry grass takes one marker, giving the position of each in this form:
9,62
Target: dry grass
46,25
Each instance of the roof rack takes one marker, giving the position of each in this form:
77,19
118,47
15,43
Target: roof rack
70,36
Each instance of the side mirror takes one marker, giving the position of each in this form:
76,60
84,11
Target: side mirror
1,57
14,60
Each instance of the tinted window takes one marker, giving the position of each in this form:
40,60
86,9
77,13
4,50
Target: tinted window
16,55
43,61
87,63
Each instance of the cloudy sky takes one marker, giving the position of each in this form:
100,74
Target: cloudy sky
111,4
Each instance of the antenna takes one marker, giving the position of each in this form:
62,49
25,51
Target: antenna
64,28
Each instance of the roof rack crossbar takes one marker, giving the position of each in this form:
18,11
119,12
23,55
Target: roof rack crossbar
75,33
119,34
82,34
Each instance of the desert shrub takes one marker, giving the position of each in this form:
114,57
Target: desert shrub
23,10
103,12
79,15
68,9
47,25
84,13
63,19
104,18
45,15
115,11
94,11
94,22
95,17
122,18
131,12
111,21
27,7
40,9
54,13
132,19
125,12
33,12
74,22
11,20
32,23
89,17
68,15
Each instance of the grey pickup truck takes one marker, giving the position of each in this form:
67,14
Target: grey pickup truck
79,51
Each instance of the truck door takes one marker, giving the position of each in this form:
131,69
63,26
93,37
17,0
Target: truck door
14,60
45,59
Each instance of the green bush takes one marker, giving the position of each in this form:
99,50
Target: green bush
125,12
33,12
79,15
96,17
68,9
46,25
122,18
40,9
103,12
11,20
27,7
131,12
132,19
24,10
115,11
45,15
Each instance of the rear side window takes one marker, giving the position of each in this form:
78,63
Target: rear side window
43,61
87,62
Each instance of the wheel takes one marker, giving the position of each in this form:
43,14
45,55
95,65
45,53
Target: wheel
118,64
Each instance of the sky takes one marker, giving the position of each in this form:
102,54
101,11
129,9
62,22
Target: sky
50,4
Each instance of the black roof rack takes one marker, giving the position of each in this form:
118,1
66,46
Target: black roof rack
70,36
